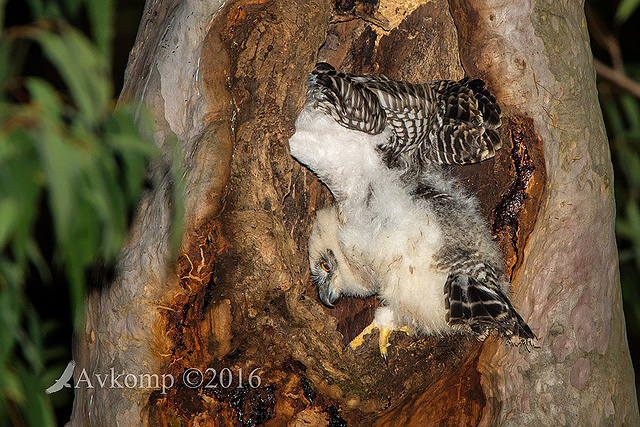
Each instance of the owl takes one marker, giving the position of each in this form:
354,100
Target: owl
401,228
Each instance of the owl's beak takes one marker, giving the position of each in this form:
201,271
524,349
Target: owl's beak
328,296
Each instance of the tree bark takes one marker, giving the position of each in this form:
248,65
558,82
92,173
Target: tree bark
582,374
227,81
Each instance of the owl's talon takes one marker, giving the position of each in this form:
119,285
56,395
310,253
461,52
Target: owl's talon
359,340
383,338
383,342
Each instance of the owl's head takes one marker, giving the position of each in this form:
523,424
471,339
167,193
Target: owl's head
331,271
325,256
324,272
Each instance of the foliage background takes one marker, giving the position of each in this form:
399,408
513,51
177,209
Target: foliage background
72,167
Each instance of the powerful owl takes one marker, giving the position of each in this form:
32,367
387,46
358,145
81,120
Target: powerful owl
401,228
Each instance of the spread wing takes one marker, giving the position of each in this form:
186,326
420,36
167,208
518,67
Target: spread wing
445,121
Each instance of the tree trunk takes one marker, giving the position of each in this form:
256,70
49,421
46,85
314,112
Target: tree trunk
227,79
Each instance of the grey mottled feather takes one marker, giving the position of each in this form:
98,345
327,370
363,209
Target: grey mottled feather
475,307
474,299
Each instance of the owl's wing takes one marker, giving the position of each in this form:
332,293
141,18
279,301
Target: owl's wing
445,121
466,123
410,110
481,309
348,102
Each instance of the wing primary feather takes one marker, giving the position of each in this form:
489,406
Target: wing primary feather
482,310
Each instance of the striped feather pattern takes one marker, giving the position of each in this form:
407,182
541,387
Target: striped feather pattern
445,121
483,309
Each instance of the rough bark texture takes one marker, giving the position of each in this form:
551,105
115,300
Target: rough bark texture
228,80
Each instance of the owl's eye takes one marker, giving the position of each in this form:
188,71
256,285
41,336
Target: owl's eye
325,266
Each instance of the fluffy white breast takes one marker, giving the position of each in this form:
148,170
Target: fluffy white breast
342,158
398,238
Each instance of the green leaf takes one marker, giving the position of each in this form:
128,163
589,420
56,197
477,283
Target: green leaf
38,408
70,150
9,214
101,16
629,227
631,113
626,8
9,315
84,70
11,386
59,159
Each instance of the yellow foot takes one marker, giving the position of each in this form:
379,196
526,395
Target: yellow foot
359,340
383,338
383,343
